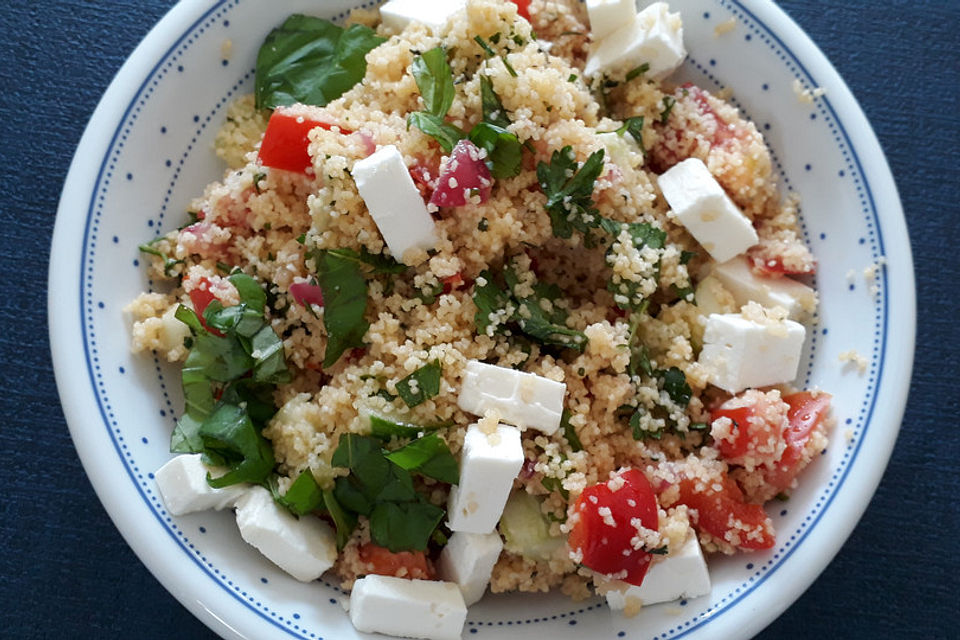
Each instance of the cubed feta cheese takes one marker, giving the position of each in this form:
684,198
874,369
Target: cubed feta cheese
304,547
409,608
522,399
739,353
606,16
682,574
488,465
654,37
739,279
394,202
700,204
183,486
434,14
468,559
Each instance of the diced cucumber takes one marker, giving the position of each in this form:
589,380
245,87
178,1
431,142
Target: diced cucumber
526,530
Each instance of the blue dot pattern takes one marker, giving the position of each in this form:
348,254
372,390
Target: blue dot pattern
172,62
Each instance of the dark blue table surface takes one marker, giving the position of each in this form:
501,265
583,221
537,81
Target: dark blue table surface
66,572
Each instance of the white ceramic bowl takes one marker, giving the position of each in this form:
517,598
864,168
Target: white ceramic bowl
148,150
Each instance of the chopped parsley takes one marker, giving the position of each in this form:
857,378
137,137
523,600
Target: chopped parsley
638,71
538,316
628,294
168,263
668,103
569,190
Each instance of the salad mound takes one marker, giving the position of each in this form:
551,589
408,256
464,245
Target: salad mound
458,312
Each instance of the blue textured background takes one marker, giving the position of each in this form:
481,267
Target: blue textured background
65,572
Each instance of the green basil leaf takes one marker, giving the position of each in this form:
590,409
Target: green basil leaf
534,322
251,294
345,302
344,521
303,495
256,397
493,111
429,456
186,435
349,493
504,151
421,385
404,526
385,429
434,126
229,437
489,300
312,61
569,432
668,104
435,81
269,364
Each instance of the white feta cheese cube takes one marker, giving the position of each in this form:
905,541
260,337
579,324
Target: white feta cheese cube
426,609
682,574
468,559
183,486
520,398
606,16
488,465
434,14
700,204
304,547
739,353
654,37
394,202
739,279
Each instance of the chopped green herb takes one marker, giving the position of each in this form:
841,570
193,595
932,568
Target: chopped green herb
572,77
385,428
257,177
504,151
569,432
421,385
230,439
343,520
687,256
446,134
569,190
435,81
668,103
493,111
380,486
345,302
428,456
312,61
483,225
528,314
675,384
303,495
487,49
638,71
633,126
168,262
629,294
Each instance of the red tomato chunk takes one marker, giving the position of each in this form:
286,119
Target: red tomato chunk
604,526
285,142
722,511
401,564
